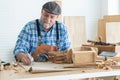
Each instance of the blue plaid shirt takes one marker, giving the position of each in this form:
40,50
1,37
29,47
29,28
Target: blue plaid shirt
28,38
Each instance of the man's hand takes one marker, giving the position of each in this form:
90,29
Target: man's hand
25,58
44,48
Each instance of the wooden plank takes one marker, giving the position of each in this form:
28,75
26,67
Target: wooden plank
112,18
102,29
46,70
76,29
113,32
93,65
42,67
102,24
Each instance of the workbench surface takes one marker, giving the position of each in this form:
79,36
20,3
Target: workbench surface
20,73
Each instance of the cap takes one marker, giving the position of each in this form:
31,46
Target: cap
52,7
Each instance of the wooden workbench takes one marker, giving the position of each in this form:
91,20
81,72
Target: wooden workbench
65,75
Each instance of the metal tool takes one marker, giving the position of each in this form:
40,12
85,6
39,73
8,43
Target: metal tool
107,54
41,58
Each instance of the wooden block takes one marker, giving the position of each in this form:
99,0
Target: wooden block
100,58
108,48
83,55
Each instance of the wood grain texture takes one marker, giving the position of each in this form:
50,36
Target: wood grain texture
113,32
76,29
84,55
102,24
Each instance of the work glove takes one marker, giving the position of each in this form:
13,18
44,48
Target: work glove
41,49
40,54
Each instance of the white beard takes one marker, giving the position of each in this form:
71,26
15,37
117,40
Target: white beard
46,25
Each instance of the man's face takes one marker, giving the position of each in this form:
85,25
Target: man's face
48,19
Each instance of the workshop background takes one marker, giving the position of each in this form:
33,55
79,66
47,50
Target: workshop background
14,14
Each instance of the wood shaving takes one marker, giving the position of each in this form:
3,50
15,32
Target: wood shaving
83,71
1,67
16,70
100,66
10,67
107,68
